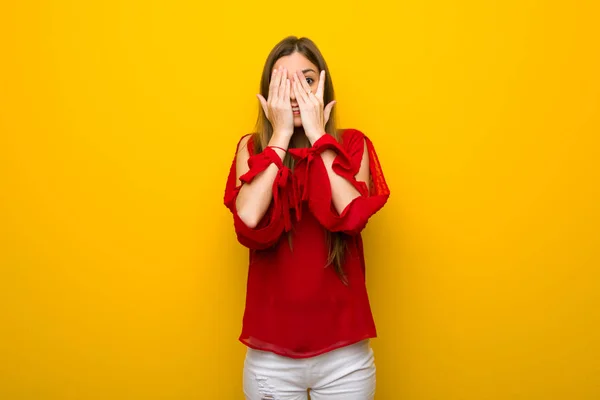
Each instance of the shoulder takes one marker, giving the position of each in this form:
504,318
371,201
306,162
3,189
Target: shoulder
352,139
350,134
245,142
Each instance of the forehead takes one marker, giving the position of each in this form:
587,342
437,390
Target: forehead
295,61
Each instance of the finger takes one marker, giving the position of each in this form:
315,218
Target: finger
263,104
301,94
328,109
302,80
287,91
293,89
281,89
309,94
321,87
276,83
315,100
272,82
280,83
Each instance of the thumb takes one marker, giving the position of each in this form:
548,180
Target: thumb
263,103
327,110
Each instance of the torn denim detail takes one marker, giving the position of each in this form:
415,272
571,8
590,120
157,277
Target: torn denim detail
267,391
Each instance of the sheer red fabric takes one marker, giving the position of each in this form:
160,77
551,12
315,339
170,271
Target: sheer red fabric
296,305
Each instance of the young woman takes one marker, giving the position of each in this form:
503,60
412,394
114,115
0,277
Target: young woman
300,192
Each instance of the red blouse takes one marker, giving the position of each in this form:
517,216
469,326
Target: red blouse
295,306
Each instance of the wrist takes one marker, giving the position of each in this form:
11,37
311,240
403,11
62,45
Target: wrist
281,138
314,136
279,144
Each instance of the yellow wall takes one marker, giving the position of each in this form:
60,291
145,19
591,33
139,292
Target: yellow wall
120,274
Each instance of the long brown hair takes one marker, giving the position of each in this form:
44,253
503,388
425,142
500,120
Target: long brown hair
336,241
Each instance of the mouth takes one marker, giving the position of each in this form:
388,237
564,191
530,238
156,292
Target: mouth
296,110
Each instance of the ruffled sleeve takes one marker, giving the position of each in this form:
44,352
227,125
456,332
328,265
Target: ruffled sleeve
313,181
276,218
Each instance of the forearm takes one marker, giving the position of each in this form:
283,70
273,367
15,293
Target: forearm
337,181
254,197
342,191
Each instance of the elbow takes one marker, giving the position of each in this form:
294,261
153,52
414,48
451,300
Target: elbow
347,205
250,223
343,207
248,219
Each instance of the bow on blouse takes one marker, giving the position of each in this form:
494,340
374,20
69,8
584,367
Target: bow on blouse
283,178
304,155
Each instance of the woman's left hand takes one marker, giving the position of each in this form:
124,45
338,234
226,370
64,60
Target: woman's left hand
314,116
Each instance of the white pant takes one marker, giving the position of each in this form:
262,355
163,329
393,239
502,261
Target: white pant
347,373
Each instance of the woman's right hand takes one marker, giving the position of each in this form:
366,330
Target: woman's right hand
278,107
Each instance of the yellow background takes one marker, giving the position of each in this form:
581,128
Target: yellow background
120,274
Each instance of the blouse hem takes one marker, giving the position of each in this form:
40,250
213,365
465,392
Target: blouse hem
308,355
